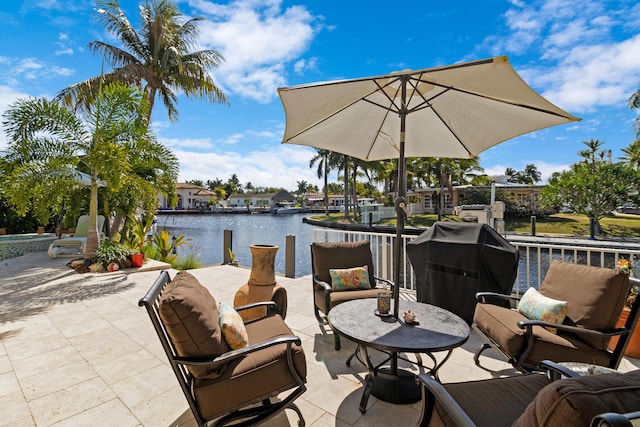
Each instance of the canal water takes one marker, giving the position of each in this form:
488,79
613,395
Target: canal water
205,234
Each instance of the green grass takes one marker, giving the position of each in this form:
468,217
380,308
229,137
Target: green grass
567,224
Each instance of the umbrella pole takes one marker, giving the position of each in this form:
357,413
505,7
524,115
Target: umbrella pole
400,202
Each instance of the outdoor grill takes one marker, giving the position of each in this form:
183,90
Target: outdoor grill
454,260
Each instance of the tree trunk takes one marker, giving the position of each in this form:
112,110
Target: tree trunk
93,238
346,189
326,185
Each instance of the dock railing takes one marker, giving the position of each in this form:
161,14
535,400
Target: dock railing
535,254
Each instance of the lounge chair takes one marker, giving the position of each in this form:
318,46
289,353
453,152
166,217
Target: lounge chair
223,386
72,246
531,399
592,299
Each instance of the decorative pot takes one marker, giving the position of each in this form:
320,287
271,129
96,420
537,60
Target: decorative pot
633,347
261,285
137,259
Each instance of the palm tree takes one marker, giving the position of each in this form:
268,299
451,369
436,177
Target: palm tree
323,171
634,104
157,58
532,172
48,140
632,154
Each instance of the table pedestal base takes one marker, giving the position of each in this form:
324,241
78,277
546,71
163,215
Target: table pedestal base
400,389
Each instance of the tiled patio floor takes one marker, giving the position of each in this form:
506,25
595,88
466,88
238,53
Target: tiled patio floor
77,350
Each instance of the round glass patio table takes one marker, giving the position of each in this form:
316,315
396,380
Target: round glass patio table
438,330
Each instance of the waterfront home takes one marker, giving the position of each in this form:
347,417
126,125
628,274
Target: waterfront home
190,196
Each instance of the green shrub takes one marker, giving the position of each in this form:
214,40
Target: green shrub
110,251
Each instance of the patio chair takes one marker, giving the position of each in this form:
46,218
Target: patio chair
223,381
592,298
558,398
326,256
71,246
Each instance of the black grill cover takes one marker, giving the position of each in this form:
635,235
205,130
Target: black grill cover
454,260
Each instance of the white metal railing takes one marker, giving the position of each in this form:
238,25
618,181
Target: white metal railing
535,257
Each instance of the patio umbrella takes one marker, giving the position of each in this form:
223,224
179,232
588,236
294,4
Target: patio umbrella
454,111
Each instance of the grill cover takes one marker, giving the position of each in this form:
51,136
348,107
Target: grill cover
454,260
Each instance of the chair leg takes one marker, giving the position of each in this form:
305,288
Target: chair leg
294,407
480,349
321,319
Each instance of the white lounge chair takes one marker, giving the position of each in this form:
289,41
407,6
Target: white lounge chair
72,246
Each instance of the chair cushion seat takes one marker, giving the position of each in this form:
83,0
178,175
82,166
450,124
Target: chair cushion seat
338,297
494,402
575,401
500,324
253,377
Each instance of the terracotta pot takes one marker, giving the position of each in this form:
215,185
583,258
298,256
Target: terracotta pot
261,285
137,259
633,348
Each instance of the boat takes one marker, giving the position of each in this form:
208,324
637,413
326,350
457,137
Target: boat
290,210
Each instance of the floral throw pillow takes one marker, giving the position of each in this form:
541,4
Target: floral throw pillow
536,306
232,326
346,279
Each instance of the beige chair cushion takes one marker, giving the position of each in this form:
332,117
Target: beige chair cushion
327,255
576,401
494,402
501,324
255,376
190,315
595,296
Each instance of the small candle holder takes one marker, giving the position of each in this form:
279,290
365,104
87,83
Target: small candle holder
384,304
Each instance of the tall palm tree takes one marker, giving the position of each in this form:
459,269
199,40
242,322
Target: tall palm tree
157,58
632,154
48,140
634,104
322,157
532,172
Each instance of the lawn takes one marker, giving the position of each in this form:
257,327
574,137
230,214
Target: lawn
568,224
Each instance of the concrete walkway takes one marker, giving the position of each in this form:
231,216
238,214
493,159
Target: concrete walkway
77,350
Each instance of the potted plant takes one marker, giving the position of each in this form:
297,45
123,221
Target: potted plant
633,348
111,254
136,237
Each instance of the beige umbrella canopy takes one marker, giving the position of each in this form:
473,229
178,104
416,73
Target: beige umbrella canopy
454,111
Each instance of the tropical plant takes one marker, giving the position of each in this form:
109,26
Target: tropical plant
166,247
110,251
140,227
47,140
157,57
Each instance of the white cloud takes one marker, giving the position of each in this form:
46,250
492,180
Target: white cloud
581,66
279,166
546,169
257,38
8,95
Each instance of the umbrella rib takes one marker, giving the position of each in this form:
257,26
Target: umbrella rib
492,98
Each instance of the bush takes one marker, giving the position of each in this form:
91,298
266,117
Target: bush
110,251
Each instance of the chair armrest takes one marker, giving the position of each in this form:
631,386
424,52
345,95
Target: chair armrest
530,323
241,352
272,307
454,410
556,371
482,297
612,419
321,284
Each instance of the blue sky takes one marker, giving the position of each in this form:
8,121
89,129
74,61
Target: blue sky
583,56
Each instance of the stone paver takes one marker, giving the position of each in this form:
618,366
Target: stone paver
77,350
